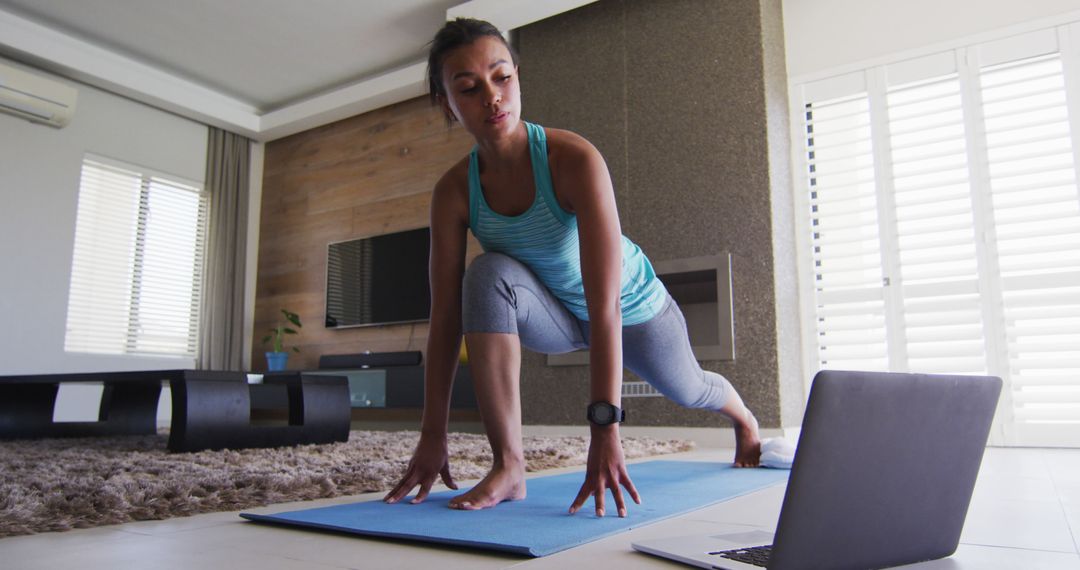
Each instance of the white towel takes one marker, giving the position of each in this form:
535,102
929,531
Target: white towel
777,452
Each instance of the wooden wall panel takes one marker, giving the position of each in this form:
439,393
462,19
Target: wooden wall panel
367,175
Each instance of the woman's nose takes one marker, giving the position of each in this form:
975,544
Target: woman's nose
492,96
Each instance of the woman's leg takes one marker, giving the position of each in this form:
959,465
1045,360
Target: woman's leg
504,306
659,351
495,365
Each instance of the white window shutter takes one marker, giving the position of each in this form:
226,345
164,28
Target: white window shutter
944,222
935,227
136,276
1036,210
850,310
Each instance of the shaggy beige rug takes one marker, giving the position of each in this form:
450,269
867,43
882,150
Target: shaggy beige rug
61,484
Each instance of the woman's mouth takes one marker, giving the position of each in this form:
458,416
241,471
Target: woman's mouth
497,117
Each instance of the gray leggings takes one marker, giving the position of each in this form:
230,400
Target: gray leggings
501,295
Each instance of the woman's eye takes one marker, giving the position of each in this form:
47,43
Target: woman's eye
469,89
504,78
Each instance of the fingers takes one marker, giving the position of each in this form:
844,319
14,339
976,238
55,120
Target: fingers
447,479
599,490
620,506
582,495
425,488
401,490
626,482
408,482
411,480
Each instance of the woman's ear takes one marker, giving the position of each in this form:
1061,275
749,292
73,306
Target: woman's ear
444,104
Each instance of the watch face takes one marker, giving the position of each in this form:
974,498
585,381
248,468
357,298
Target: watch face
602,414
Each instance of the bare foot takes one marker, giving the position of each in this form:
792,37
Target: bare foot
747,441
500,484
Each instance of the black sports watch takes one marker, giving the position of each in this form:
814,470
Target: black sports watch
605,414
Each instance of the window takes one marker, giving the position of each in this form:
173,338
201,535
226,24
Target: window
942,222
136,273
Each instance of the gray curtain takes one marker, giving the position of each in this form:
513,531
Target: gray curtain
221,343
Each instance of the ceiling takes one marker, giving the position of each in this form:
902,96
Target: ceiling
263,68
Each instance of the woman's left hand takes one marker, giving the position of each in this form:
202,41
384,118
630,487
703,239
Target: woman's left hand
606,470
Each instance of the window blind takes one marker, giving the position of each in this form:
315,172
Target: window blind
1032,178
938,263
943,211
846,246
136,274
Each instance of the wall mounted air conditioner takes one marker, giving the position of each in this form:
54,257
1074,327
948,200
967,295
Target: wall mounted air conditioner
35,98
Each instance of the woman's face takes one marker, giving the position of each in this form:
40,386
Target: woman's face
482,90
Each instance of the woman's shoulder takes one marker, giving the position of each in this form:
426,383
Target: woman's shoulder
455,178
452,189
568,150
568,143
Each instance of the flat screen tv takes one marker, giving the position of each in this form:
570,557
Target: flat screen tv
378,280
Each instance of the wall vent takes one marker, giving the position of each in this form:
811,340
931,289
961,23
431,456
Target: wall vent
639,390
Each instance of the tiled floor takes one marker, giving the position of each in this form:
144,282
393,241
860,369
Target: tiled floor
1025,514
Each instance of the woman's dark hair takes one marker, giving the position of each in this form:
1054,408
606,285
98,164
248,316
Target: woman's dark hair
457,33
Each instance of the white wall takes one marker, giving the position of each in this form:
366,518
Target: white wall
39,184
822,35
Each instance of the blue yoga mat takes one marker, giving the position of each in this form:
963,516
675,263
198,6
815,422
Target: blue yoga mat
540,525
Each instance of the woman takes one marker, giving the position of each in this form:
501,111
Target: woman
558,276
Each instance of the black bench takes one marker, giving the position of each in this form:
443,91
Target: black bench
210,409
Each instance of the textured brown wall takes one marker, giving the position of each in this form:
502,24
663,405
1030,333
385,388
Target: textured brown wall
686,100
785,275
367,175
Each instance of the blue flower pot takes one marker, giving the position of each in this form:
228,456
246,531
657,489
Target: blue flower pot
275,361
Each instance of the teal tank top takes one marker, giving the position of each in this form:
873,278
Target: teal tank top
545,239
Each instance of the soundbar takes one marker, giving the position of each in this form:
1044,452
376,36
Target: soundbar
369,360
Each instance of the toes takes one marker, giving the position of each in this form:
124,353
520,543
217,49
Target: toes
468,502
461,502
471,504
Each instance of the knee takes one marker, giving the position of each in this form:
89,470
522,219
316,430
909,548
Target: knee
486,275
695,397
715,390
710,392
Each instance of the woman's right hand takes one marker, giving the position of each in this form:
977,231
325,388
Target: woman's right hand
430,460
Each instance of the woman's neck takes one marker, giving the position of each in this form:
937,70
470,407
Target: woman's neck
504,153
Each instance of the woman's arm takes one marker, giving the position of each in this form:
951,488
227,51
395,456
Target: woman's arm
449,223
588,190
582,180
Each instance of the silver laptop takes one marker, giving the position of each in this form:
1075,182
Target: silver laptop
883,474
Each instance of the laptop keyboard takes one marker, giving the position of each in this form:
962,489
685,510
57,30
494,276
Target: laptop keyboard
755,555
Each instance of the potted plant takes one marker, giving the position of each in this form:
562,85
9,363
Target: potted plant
276,359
